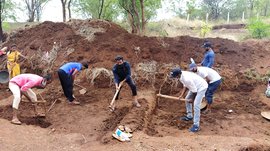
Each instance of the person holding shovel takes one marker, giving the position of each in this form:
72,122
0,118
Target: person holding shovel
212,78
12,61
122,73
21,85
197,87
67,74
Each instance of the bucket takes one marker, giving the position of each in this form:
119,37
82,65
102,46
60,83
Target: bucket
4,77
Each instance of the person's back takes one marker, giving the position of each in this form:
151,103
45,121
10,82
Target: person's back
210,73
189,78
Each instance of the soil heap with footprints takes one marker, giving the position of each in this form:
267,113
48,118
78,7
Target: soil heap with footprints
156,125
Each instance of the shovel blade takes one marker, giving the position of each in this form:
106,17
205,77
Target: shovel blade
82,91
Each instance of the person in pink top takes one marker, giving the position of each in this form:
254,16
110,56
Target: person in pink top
22,84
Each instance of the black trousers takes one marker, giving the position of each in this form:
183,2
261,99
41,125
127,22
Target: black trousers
132,87
67,84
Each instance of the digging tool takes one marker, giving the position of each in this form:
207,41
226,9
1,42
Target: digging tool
83,90
51,105
112,108
203,104
170,97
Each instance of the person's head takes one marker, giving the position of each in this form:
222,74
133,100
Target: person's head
13,47
175,73
207,45
119,60
46,80
84,65
193,67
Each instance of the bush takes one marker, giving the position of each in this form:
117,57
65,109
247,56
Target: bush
206,28
258,29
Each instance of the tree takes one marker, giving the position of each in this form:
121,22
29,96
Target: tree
139,12
98,9
6,11
34,9
215,7
66,3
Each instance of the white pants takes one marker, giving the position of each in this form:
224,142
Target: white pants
16,91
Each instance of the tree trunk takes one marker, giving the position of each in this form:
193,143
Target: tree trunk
101,9
143,17
132,23
136,18
69,9
64,9
1,28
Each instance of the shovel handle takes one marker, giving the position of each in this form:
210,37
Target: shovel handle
170,97
79,86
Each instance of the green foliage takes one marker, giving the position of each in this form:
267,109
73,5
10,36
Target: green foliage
252,74
8,10
258,29
205,29
157,28
91,8
6,26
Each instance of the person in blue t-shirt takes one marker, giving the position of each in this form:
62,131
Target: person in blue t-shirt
122,73
209,55
67,74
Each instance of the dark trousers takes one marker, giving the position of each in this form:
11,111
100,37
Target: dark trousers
67,84
132,87
212,87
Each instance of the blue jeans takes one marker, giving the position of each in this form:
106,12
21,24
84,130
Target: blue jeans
212,87
197,104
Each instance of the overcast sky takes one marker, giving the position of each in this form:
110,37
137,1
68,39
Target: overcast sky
53,11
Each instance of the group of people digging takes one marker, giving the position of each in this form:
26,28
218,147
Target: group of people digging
200,81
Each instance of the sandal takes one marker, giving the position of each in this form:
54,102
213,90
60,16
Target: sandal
112,108
16,122
118,138
137,104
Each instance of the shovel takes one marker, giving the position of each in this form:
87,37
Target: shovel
83,90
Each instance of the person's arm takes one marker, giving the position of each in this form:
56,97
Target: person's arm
128,71
207,79
23,56
182,92
28,85
74,74
116,77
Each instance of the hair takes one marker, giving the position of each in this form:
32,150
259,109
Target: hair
13,45
48,77
85,64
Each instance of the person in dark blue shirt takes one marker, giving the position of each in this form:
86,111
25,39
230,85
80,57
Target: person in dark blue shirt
122,73
209,55
67,74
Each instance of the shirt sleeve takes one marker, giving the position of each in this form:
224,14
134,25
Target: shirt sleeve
203,73
28,85
128,70
115,75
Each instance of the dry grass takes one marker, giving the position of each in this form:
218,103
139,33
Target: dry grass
94,73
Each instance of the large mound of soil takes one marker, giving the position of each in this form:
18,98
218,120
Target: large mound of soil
151,58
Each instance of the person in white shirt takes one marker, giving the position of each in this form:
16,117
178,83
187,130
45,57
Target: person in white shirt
212,78
197,87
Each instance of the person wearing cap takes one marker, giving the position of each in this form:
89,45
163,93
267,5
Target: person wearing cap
67,74
209,55
122,73
12,61
21,85
212,78
196,87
